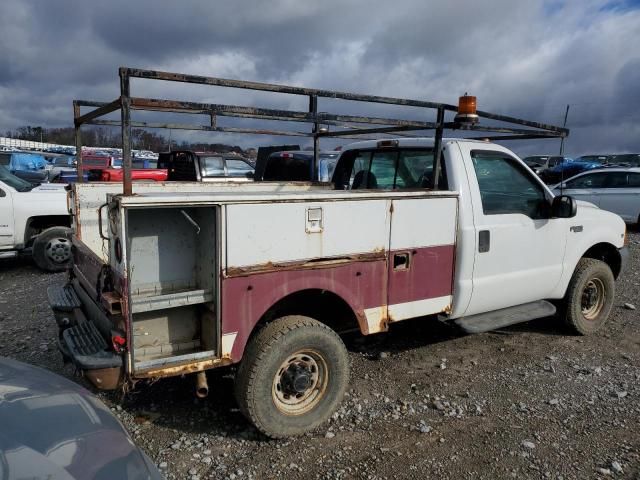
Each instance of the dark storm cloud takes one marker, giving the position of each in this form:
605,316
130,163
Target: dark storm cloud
525,59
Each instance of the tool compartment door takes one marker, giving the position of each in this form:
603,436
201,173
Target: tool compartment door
421,256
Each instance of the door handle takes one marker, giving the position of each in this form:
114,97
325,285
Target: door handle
484,241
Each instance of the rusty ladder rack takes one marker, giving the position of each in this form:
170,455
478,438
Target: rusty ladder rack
391,126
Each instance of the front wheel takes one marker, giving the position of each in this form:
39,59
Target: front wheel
52,249
293,376
589,298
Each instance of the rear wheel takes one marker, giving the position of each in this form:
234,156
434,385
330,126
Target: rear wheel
52,249
589,297
293,376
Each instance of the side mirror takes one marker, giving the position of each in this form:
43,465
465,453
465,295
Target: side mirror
3,193
564,206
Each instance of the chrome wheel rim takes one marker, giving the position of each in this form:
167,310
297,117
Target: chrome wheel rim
300,383
58,250
593,299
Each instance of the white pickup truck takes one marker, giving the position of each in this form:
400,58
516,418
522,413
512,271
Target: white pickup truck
182,278
34,219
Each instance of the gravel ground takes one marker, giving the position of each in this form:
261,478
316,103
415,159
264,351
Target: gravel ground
425,401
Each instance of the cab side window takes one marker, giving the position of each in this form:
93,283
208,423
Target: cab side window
506,187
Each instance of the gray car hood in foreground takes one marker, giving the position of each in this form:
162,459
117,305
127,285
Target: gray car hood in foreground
53,428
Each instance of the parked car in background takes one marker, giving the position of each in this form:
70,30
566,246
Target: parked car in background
34,220
600,159
188,166
614,189
296,165
26,165
63,163
568,169
539,163
137,162
63,169
626,160
92,165
54,428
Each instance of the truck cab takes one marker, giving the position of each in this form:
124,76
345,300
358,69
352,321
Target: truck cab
503,211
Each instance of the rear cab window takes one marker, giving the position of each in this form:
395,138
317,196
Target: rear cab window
388,169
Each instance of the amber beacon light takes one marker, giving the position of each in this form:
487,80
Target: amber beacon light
466,115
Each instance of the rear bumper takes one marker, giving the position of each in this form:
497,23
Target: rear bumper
80,339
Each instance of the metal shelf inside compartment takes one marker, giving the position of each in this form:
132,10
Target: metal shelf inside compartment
148,303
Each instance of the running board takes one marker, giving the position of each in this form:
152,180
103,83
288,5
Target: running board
9,254
484,322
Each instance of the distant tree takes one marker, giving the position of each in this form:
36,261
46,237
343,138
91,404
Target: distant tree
112,138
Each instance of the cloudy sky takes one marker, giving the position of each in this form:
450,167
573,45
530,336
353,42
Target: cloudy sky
521,58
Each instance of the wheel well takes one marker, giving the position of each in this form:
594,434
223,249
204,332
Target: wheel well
322,305
608,254
35,225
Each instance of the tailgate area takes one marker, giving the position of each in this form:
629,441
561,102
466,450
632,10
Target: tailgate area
80,341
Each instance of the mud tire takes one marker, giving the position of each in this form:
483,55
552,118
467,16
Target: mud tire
590,274
257,384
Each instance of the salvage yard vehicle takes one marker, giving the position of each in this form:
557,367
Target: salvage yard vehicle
35,220
614,189
28,166
565,170
539,163
184,165
173,279
52,428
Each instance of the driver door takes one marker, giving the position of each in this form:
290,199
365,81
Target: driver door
519,250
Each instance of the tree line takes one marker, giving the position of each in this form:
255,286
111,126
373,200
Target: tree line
111,138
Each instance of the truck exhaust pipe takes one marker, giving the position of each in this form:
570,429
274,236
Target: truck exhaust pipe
202,387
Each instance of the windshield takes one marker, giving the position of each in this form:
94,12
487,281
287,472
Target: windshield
13,181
